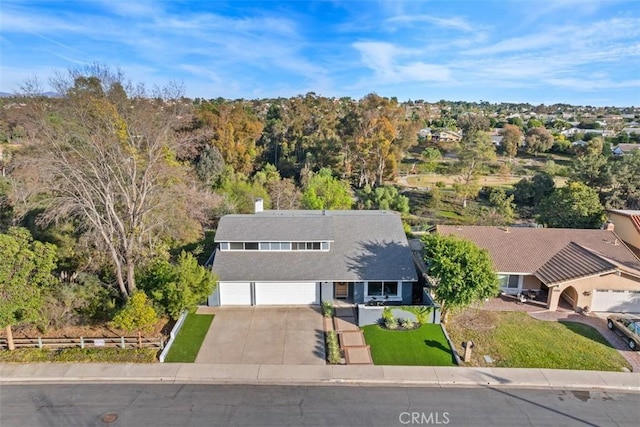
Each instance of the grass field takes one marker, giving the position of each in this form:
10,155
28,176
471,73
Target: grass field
516,340
187,344
425,346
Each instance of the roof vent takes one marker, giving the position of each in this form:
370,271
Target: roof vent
615,242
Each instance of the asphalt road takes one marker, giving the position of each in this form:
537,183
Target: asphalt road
244,405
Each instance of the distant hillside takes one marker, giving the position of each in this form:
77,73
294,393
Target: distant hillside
47,94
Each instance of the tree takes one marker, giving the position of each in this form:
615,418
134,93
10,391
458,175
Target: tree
25,271
461,272
511,139
474,154
385,197
531,191
137,315
538,140
572,206
591,167
431,156
106,158
625,187
471,124
503,205
323,191
180,286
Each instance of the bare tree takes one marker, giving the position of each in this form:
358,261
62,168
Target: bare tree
105,156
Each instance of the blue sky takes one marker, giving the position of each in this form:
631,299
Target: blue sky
538,51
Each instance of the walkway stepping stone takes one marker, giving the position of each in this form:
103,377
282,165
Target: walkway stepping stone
358,355
345,324
345,312
352,339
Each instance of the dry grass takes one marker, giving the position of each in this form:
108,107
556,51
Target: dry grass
516,340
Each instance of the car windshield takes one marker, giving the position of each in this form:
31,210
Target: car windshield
635,327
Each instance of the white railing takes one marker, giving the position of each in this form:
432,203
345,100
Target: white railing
172,336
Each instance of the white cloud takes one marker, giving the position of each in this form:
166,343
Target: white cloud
455,23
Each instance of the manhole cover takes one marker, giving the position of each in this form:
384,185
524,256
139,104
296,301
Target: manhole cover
108,417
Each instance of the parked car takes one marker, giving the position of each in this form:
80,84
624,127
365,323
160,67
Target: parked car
628,326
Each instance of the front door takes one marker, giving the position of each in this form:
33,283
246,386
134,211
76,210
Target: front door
341,290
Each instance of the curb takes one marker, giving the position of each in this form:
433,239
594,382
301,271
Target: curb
320,375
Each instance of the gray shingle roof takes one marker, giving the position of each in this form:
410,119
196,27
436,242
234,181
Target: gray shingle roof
525,250
366,245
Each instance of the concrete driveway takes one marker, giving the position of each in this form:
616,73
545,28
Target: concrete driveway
264,335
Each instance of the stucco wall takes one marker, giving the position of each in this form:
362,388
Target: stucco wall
326,291
624,228
588,285
407,290
531,282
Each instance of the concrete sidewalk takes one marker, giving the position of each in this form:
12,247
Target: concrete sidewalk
183,373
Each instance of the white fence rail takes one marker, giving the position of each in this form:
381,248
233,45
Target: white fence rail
172,336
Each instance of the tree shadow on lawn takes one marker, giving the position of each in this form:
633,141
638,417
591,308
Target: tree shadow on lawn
440,346
586,331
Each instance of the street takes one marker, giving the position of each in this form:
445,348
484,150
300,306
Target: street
245,405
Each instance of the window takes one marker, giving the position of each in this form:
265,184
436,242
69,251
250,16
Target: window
250,246
374,289
391,289
382,289
224,246
236,246
509,281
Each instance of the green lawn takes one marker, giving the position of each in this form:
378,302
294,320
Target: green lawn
425,346
516,340
187,344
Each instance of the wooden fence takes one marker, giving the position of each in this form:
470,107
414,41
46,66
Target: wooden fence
86,342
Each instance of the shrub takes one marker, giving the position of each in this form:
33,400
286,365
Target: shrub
80,301
391,323
327,308
407,323
180,286
387,315
333,348
137,315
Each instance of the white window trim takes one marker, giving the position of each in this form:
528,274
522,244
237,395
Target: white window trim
367,297
291,243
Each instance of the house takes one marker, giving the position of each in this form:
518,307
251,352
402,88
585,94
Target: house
305,257
448,136
626,224
622,149
589,269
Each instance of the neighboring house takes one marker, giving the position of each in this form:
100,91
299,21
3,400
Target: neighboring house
579,143
590,269
622,149
424,133
497,140
449,136
305,257
626,224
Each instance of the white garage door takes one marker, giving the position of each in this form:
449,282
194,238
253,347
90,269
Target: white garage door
287,293
235,293
610,300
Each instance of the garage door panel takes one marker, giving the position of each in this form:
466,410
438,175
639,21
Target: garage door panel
615,300
235,293
287,293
